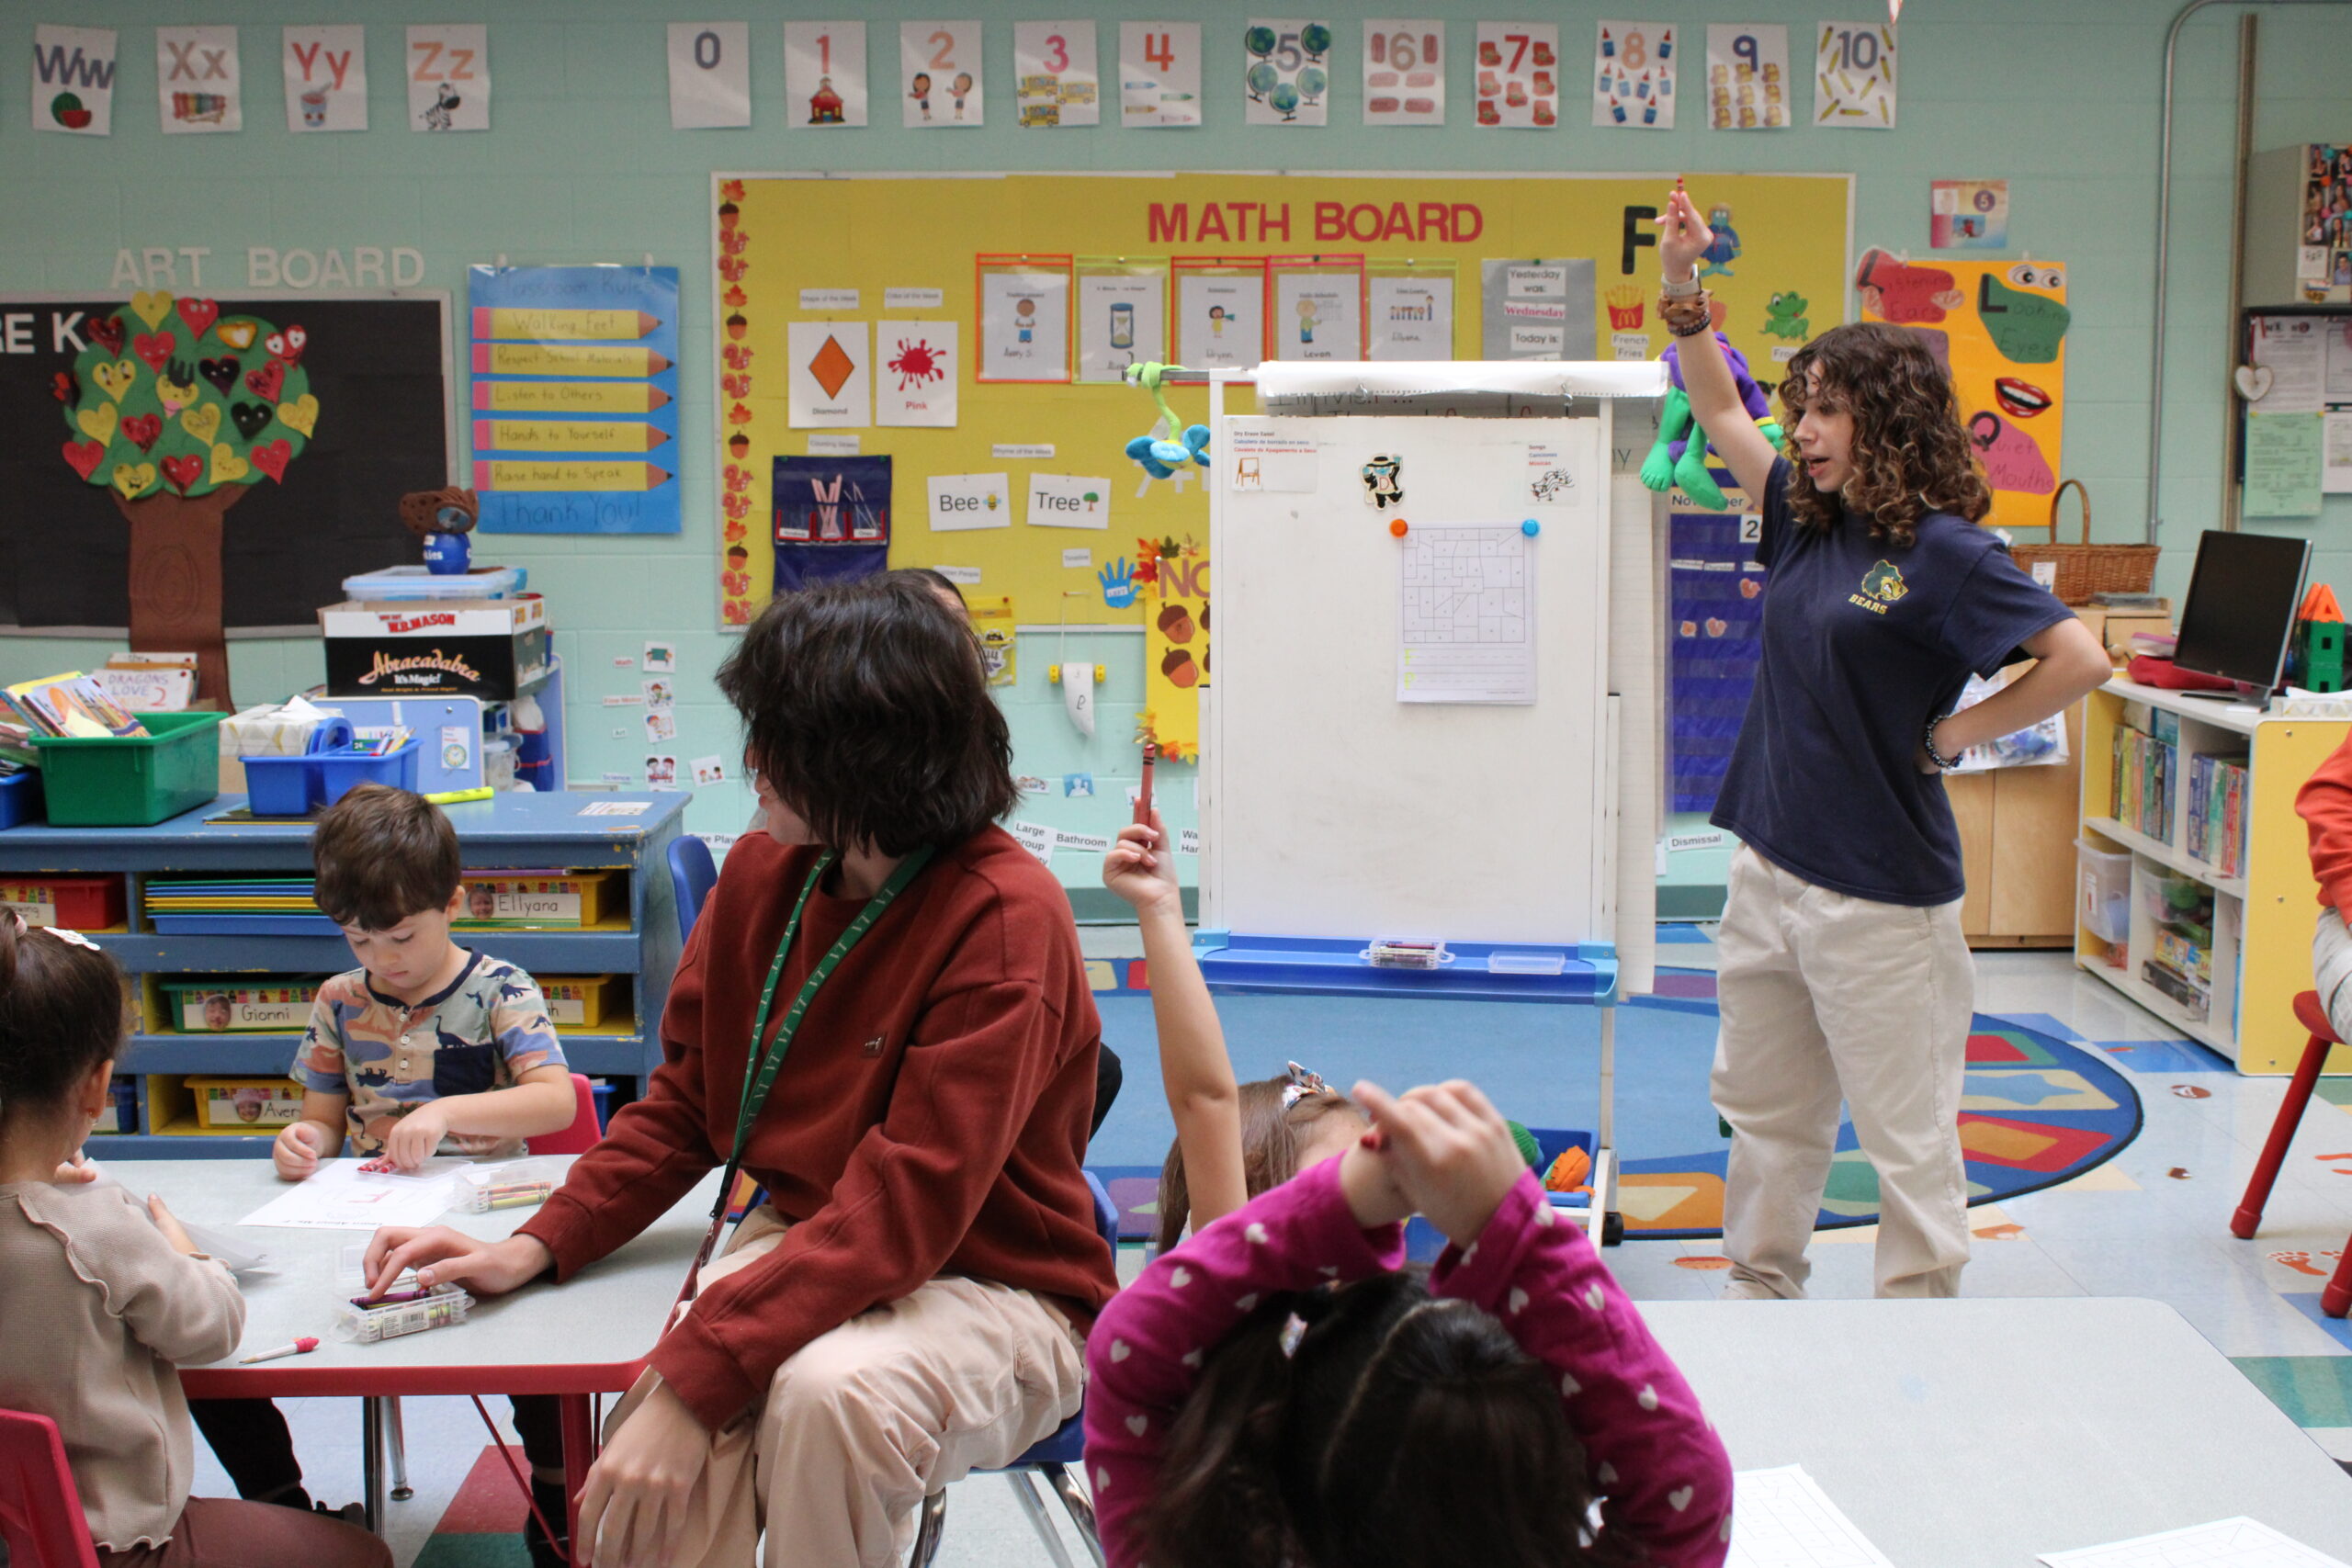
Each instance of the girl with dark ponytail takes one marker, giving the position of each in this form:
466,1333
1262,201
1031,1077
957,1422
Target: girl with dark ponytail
101,1295
1276,1393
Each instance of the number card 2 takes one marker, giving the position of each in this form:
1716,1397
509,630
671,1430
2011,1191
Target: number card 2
1747,77
1518,75
939,74
1854,77
1159,75
824,75
1287,71
1054,74
1404,70
1633,76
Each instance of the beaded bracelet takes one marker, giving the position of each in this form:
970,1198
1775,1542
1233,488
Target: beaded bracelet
1928,744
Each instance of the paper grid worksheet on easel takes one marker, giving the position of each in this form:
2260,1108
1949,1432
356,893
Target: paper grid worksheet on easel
1466,595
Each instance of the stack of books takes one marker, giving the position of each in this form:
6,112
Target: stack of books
2144,767
67,707
248,905
2216,811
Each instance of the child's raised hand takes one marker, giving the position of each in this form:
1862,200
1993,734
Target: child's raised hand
296,1152
1140,869
1449,1150
1682,236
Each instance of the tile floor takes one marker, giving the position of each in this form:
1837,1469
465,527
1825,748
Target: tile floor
2152,1222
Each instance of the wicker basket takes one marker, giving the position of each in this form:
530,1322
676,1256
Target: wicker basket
2087,569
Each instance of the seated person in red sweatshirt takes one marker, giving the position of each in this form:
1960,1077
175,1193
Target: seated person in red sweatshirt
2325,803
910,1302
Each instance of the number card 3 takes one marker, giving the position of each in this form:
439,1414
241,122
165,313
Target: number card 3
1518,75
1854,79
1054,76
824,75
1633,76
1747,78
1404,70
939,74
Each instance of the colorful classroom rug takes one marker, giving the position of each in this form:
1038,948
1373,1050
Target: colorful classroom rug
482,1526
2037,1110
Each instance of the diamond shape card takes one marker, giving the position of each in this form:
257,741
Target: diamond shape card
831,385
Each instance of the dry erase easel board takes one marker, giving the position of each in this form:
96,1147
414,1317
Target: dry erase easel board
1329,807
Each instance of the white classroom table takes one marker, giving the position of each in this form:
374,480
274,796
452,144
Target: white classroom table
1977,1433
587,1337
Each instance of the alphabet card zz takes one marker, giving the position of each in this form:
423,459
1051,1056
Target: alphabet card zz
326,78
449,77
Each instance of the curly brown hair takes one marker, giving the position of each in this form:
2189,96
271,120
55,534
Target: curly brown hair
1910,456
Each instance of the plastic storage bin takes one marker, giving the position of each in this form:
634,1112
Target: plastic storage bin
77,903
340,770
220,1004
2103,899
290,787
246,1105
579,1002
365,1326
20,798
133,781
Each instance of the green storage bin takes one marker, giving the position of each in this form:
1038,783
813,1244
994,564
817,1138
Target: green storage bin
136,780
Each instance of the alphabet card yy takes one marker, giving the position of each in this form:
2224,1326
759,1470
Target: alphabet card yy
326,78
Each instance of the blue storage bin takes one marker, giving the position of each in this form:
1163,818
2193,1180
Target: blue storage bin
340,771
20,798
290,787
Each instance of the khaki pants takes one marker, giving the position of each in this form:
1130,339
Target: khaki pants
1826,996
868,1420
2331,966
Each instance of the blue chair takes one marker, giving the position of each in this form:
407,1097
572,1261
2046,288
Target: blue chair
1051,1458
692,872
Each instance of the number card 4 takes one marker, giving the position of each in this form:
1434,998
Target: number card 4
1404,70
1160,73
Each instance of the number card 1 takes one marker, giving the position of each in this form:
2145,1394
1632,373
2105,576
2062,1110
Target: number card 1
939,74
1633,76
1518,75
1747,77
1160,73
824,75
1404,70
1854,77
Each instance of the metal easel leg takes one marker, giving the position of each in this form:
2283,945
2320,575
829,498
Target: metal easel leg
402,1490
1607,1228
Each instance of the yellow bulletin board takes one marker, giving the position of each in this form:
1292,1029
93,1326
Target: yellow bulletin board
800,248
2000,329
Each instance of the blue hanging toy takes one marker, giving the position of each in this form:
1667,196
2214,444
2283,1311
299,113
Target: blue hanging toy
1159,455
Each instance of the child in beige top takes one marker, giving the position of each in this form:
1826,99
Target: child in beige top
101,1296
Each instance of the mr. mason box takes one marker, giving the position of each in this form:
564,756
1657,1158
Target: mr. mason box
465,647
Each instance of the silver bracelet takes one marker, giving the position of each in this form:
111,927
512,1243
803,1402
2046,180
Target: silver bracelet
1682,290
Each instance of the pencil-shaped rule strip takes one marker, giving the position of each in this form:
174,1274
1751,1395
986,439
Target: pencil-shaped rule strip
530,324
567,397
566,436
565,359
524,473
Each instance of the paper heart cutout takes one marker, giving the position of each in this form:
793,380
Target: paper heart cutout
301,414
98,424
199,315
1593,1297
238,335
221,373
203,422
115,378
276,344
65,388
251,418
182,472
1255,1233
272,459
85,456
174,395
227,467
152,305
108,334
133,480
2253,382
296,339
267,381
1716,628
141,430
155,348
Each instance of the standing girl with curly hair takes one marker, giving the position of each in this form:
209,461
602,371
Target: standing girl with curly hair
1842,972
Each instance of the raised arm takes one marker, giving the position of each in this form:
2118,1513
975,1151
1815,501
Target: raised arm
1683,238
1194,1070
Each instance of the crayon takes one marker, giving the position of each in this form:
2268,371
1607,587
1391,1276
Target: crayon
533,323
1142,798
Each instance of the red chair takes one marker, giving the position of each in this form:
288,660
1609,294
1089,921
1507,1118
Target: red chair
40,1511
581,1136
2337,1296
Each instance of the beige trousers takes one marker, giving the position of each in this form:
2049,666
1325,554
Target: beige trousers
867,1420
1825,996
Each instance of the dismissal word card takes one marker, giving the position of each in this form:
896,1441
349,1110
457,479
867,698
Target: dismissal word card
575,399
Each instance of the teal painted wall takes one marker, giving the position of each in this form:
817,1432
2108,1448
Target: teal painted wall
580,166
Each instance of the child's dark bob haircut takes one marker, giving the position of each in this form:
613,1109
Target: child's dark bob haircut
381,854
61,1015
864,705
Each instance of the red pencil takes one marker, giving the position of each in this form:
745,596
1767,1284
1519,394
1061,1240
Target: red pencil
1143,798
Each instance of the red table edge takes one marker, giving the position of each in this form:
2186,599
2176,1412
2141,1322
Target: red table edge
290,1379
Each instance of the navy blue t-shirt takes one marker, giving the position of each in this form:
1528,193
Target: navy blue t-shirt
1862,642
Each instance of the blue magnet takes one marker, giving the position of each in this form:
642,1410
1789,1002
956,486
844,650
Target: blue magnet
1531,527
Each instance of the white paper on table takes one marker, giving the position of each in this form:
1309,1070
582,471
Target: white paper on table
2294,350
2225,1543
1781,1518
1467,615
342,1197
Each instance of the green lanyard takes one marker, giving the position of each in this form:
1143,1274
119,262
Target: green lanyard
760,1066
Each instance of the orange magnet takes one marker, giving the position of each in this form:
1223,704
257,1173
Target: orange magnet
1397,525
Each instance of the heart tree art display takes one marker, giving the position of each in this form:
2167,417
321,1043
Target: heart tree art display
177,410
